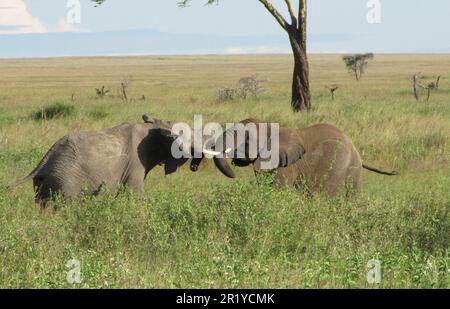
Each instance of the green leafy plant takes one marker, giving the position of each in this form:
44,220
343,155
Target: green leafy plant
57,110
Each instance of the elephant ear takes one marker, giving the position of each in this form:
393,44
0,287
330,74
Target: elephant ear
166,133
171,164
148,119
291,149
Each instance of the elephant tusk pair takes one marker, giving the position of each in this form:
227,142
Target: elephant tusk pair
215,153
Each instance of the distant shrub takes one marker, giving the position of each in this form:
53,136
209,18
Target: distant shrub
57,110
227,94
249,86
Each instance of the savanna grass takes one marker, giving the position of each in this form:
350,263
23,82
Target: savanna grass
202,230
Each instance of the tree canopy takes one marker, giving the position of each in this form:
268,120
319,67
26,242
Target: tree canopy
356,64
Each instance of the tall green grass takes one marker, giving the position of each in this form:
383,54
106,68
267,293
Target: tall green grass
234,235
57,110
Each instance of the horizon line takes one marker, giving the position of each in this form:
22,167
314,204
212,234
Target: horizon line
138,55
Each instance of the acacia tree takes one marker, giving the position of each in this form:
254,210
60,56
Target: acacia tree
296,30
356,64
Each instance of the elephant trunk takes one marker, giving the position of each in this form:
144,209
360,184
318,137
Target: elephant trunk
195,163
220,157
222,165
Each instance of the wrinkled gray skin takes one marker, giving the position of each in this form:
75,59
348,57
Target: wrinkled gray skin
320,158
103,159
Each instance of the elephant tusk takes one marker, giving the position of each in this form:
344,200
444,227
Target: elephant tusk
211,153
215,153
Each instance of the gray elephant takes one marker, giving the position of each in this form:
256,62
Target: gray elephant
122,155
320,158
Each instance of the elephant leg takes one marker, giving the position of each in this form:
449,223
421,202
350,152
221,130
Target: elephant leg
334,184
135,182
45,190
330,172
103,187
355,178
47,187
42,195
353,182
287,176
354,172
256,173
297,176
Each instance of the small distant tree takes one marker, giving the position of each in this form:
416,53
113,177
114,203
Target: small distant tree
428,87
103,92
356,64
332,88
124,87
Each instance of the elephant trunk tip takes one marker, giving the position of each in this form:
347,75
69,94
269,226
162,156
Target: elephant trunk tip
194,167
222,165
195,164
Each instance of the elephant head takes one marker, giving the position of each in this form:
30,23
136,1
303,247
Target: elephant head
250,139
166,140
156,148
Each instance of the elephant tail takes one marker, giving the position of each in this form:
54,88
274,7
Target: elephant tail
30,176
37,169
19,182
375,170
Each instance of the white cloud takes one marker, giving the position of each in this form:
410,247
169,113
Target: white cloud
15,19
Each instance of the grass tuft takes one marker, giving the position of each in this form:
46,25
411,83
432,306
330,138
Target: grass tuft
57,110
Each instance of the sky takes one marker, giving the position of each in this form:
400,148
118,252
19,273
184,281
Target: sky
40,28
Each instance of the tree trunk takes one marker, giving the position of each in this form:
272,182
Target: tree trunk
301,98
437,82
416,94
301,94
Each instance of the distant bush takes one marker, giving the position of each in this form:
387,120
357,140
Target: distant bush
249,86
227,94
57,110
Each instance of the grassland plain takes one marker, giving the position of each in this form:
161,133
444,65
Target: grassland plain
202,230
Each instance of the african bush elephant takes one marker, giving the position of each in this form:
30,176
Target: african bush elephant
320,158
104,159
